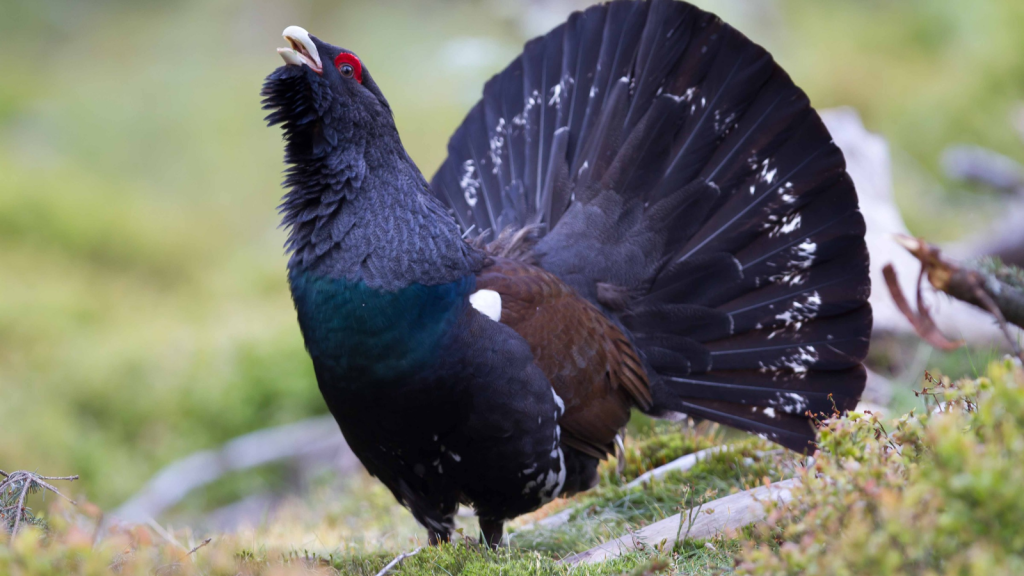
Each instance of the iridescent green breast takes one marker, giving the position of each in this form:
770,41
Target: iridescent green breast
363,334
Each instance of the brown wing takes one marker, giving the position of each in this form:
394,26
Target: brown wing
591,364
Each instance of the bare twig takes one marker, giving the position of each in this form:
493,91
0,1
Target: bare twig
692,514
921,320
164,533
398,560
198,546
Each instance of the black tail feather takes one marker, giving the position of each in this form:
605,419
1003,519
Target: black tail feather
670,156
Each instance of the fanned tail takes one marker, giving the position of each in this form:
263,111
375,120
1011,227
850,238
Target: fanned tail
687,187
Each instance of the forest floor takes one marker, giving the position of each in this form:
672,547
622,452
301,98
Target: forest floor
933,491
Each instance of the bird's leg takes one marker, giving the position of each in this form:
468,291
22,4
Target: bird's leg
492,531
435,537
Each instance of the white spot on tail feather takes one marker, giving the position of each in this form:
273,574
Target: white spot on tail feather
520,119
798,313
787,225
724,125
497,143
790,402
768,173
798,363
558,89
786,190
583,168
469,183
675,98
801,257
556,95
487,302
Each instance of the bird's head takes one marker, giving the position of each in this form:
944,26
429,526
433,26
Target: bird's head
324,98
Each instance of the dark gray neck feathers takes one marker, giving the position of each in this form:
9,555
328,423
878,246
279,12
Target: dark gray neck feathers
361,210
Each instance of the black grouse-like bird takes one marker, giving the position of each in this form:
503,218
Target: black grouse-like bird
642,212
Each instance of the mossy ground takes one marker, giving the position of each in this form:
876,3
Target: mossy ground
356,528
935,491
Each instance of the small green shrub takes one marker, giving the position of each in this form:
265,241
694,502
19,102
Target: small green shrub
936,492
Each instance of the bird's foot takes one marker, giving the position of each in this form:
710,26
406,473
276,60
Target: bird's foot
492,531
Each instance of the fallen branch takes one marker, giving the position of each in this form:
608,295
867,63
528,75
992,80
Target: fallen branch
316,438
970,163
681,464
554,521
717,516
398,560
980,288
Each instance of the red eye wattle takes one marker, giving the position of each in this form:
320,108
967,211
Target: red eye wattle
349,66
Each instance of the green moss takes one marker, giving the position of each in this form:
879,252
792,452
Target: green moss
936,492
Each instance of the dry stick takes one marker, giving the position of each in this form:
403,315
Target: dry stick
164,533
975,287
398,559
198,546
922,320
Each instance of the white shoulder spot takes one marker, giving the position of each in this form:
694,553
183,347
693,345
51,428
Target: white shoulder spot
487,302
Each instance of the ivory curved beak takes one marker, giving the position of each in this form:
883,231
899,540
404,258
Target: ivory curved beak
302,50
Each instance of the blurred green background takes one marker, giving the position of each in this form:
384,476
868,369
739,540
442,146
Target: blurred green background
143,307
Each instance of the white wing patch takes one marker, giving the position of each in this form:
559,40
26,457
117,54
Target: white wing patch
487,302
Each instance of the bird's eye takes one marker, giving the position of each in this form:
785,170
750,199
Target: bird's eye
349,66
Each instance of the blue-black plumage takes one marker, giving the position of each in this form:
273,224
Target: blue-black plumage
642,212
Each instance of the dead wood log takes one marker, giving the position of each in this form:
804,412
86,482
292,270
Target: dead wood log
970,163
715,517
313,439
681,464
